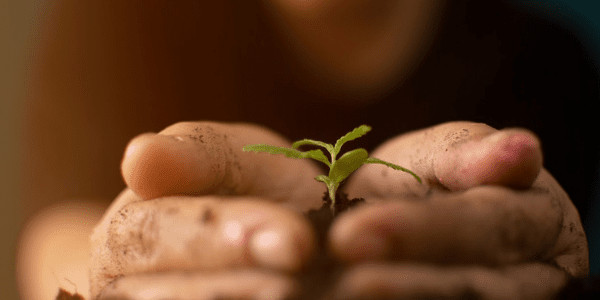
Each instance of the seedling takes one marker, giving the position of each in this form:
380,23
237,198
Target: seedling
339,168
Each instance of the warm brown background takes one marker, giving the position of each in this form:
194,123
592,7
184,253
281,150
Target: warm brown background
17,22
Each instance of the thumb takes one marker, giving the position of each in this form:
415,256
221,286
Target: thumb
509,157
455,156
200,158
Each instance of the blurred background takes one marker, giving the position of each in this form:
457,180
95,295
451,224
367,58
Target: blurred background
20,35
583,18
18,21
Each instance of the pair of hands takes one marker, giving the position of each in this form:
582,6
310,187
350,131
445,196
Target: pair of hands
202,219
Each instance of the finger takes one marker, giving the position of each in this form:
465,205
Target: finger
231,284
484,225
456,156
413,281
201,233
570,253
198,158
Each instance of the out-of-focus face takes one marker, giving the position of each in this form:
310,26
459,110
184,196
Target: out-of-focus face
356,47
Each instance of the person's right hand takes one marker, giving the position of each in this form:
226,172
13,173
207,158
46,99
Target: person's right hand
488,222
202,219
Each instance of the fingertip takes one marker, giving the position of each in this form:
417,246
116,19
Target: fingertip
276,249
156,165
275,237
520,160
511,158
140,167
132,157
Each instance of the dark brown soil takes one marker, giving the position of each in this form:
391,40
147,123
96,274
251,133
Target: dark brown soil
64,295
321,272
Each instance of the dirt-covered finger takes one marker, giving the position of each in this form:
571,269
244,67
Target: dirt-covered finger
454,156
419,281
198,233
199,158
228,284
484,225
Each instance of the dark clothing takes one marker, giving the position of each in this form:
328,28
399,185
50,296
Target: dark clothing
490,63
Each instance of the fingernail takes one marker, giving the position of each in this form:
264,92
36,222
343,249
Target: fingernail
275,248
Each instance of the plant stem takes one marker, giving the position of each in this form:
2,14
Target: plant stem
332,191
334,186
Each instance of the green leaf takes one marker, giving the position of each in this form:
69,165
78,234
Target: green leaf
297,144
291,153
317,155
324,179
347,164
352,135
373,160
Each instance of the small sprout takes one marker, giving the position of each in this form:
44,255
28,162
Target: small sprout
339,168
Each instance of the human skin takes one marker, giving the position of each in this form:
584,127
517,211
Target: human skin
460,232
356,48
324,58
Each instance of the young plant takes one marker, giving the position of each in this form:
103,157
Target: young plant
339,168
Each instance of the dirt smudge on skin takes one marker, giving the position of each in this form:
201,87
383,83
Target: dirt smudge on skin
64,295
197,138
207,216
172,210
225,162
136,229
384,173
457,137
572,227
145,242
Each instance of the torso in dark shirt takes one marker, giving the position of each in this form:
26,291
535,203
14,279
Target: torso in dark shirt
490,63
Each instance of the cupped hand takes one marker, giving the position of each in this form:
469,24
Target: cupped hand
198,209
201,158
488,221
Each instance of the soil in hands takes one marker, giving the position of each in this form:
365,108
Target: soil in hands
64,295
322,271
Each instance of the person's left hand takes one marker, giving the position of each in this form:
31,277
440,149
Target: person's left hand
488,220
